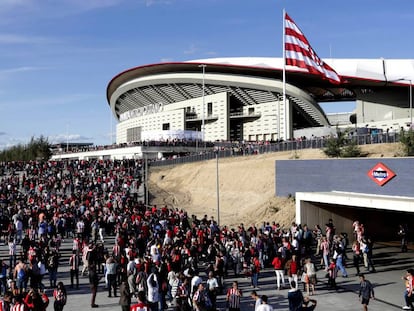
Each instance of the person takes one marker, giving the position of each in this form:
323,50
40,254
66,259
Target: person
325,248
52,267
308,304
310,277
317,231
295,297
255,267
93,282
409,281
356,255
201,300
3,277
212,289
20,275
257,299
277,264
19,304
111,267
366,292
60,296
292,268
33,300
264,306
332,274
366,247
339,256
141,304
402,233
233,297
153,291
125,296
6,302
74,269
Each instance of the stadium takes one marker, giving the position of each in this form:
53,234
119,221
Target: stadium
241,99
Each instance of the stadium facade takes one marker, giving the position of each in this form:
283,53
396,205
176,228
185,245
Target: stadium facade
242,99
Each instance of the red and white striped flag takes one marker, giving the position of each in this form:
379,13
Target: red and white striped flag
299,53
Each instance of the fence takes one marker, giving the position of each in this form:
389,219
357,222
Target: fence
228,149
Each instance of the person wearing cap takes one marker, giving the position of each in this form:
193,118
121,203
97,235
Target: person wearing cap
409,280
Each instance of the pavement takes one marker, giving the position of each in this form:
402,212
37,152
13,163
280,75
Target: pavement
389,262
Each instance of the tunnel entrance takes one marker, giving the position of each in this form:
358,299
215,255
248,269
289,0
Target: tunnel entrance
380,215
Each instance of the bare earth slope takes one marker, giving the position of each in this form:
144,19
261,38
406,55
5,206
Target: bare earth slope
247,186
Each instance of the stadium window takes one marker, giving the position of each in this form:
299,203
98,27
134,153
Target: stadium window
209,109
166,126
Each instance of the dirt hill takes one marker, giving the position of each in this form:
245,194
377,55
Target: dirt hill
247,186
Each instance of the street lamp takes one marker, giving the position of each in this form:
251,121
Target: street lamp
411,102
203,66
217,187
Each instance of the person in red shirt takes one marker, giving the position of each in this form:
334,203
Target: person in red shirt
141,305
292,267
277,264
255,271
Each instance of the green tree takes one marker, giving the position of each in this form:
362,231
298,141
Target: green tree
340,146
407,140
36,149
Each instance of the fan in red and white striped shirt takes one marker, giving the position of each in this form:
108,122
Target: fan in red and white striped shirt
299,53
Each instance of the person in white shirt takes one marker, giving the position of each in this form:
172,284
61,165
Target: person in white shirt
257,299
212,289
264,306
153,292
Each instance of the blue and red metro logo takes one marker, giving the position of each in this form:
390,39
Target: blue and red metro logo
381,174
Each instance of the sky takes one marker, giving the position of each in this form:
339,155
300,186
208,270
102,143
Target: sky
58,56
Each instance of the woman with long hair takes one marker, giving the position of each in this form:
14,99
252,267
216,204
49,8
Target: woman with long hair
60,297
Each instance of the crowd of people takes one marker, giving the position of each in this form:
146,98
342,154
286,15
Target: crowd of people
161,257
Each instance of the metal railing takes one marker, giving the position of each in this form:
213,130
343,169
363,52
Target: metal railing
229,149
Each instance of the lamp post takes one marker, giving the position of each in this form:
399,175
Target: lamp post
411,102
203,66
218,187
146,178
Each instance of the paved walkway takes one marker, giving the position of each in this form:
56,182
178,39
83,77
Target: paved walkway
389,288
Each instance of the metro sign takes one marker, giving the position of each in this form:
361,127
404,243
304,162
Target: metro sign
381,174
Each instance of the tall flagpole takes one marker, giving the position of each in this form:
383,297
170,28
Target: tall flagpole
284,79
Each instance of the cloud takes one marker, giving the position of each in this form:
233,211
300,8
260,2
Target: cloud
191,50
2,133
12,141
166,60
14,39
56,100
211,53
70,138
149,3
20,69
